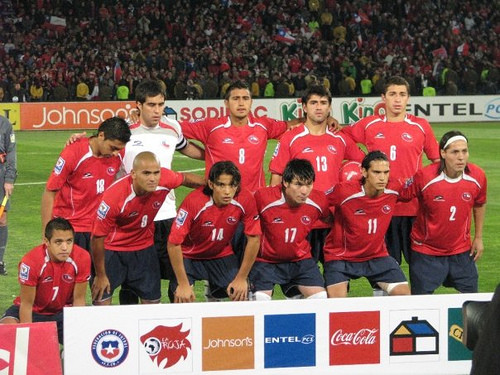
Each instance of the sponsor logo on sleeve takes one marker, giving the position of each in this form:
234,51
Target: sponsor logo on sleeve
24,272
103,210
59,165
181,217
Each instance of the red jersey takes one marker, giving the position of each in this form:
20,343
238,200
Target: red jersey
127,219
443,222
404,144
54,281
325,152
79,179
205,230
245,145
285,228
360,223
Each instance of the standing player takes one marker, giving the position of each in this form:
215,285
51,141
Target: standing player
355,247
404,138
83,171
325,150
52,276
288,212
122,235
449,194
199,245
162,136
8,173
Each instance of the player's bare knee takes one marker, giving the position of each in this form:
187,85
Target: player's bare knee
318,295
261,296
9,320
338,290
397,289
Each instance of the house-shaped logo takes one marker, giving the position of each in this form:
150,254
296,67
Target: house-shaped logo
414,337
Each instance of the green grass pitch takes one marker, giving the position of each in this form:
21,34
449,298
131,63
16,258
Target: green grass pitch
38,151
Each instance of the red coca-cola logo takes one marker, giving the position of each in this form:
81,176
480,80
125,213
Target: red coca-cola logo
351,333
364,336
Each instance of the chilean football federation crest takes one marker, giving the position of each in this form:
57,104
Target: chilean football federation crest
110,348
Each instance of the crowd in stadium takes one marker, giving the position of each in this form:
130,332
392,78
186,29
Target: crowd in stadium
58,50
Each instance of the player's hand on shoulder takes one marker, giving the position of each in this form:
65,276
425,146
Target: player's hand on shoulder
237,290
134,115
99,286
75,137
333,124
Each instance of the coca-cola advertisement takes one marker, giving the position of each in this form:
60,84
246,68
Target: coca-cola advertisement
354,338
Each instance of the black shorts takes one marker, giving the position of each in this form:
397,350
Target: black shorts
316,238
139,270
162,231
397,237
82,239
384,269
239,242
13,312
219,272
264,276
428,272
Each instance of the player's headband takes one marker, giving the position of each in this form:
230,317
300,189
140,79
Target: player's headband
454,139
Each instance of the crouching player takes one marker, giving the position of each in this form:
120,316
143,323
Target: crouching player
199,245
52,275
355,247
287,213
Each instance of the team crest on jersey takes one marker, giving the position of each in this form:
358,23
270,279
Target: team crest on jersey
103,210
231,220
331,149
277,220
438,198
59,165
68,278
307,150
407,137
386,209
181,217
110,348
228,141
111,171
466,196
380,136
276,150
306,220
156,205
253,139
360,211
24,272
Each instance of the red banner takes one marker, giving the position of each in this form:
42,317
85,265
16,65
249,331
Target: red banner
29,349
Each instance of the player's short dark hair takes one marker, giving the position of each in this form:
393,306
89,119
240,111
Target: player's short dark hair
398,81
319,90
115,128
220,168
147,89
301,169
57,223
367,160
235,86
446,136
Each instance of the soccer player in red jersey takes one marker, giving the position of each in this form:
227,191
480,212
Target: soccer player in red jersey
404,138
52,276
325,150
355,247
122,235
199,244
287,213
449,193
83,171
239,137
